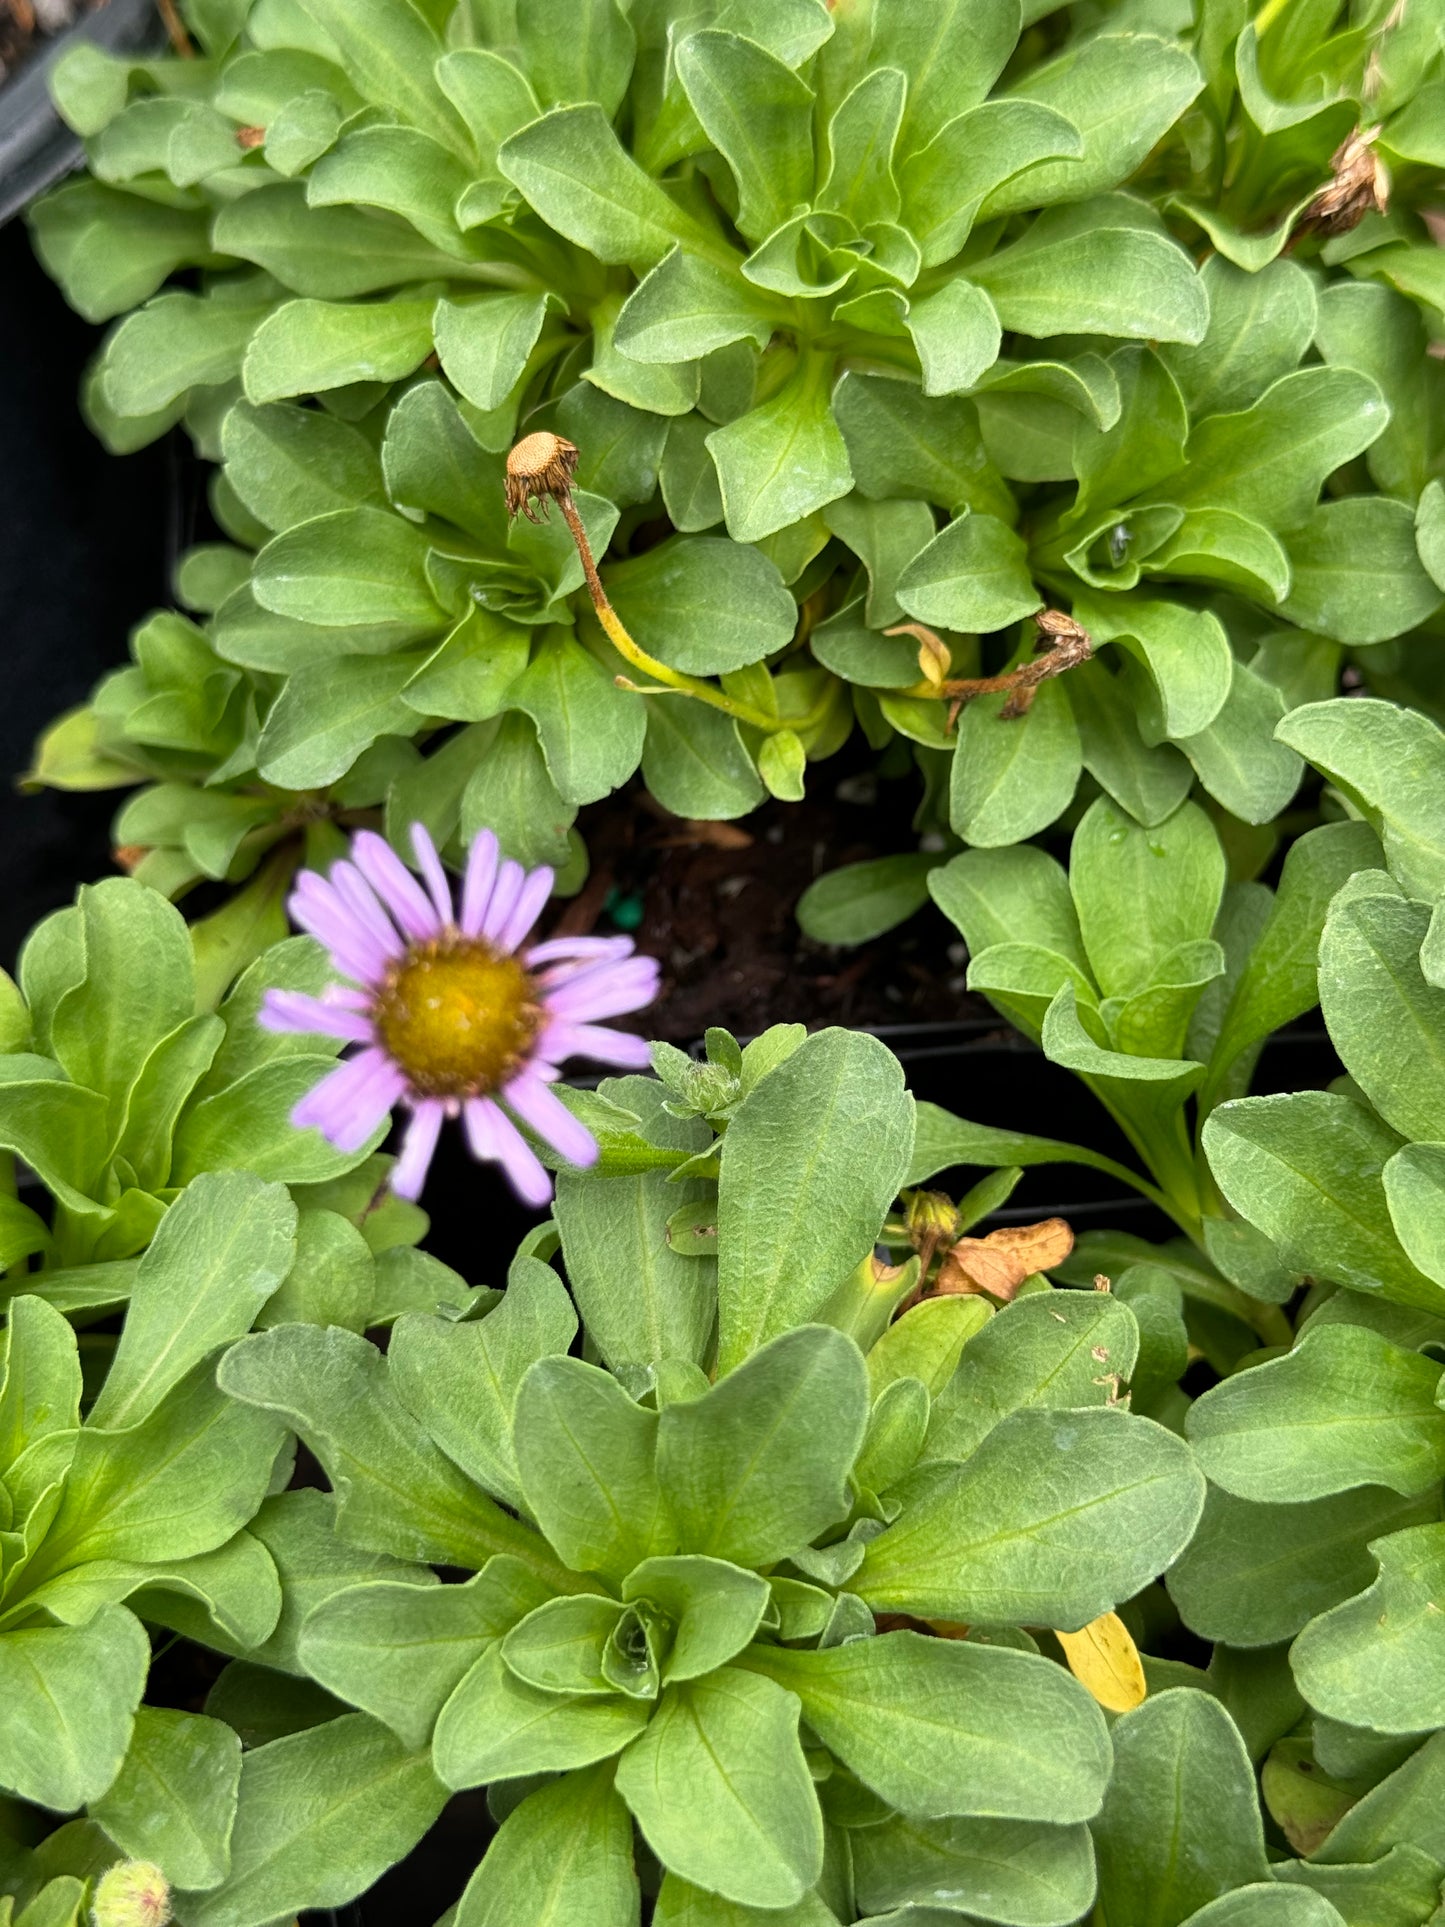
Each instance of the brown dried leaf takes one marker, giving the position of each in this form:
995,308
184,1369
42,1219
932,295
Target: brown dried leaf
999,1263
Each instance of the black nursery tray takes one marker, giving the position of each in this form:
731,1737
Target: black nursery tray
36,147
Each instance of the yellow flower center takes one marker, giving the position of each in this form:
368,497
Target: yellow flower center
456,1017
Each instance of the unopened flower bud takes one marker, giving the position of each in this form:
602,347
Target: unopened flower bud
931,1215
133,1893
539,469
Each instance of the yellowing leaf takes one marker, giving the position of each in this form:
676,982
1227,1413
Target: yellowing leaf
1104,1658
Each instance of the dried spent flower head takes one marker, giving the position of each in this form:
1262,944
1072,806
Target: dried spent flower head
540,468
1061,631
132,1893
1361,186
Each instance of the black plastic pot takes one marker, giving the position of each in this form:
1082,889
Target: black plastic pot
36,147
86,543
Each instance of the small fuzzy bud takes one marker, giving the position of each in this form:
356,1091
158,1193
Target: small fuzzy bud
931,1215
133,1893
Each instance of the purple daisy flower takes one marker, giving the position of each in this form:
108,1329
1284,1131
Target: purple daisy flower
455,1018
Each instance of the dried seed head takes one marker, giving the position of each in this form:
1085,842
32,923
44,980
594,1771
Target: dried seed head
1062,632
539,469
1361,186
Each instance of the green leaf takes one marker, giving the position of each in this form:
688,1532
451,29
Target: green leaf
1414,1184
863,900
180,1482
1375,1661
174,1800
492,96
721,1790
397,1651
247,1127
1263,1903
669,598
222,1250
1387,761
1260,326
681,1905
1057,1349
780,462
938,1727
859,181
356,567
585,1459
1184,653
1149,783
642,1302
496,1728
1306,1170
1107,280
483,344
1279,978
322,1814
329,714
110,250
389,51
591,732
1123,92
1345,1408
1142,894
1386,1021
399,169
694,763
945,184
175,343
952,53
396,1492
289,464
1035,1876
758,115
1399,1889
1356,572
40,1388
564,1855
759,1465
461,1380
561,1646
577,52
306,347
715,1609
575,172
686,307
1256,1574
70,1693
974,576
902,443
1054,1519
1013,776
510,792
1181,1823
138,986
815,1155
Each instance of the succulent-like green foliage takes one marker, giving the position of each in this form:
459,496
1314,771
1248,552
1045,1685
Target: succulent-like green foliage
133,1065
673,1571
859,315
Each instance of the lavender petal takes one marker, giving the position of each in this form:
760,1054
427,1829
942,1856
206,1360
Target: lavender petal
516,1157
395,885
433,875
410,1170
605,990
317,909
353,1100
505,894
535,891
478,883
293,1010
541,1108
596,1041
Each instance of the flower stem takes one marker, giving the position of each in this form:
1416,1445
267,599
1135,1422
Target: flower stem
659,671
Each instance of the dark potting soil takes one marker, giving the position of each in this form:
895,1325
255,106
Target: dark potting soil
716,904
